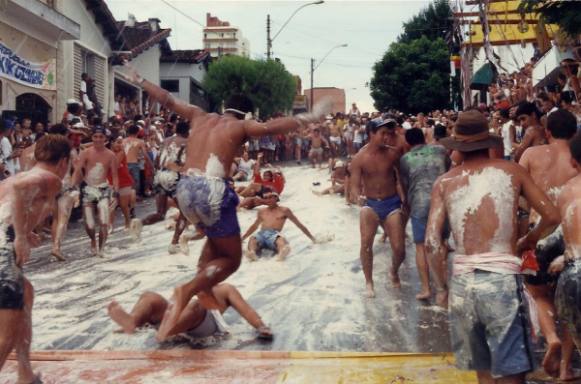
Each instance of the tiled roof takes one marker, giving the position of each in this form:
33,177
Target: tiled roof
141,37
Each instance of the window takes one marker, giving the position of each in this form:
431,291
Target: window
221,35
85,61
171,85
205,35
0,92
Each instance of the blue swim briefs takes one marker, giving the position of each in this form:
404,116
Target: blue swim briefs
384,207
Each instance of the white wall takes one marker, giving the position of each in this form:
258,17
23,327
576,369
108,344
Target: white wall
91,39
147,64
512,57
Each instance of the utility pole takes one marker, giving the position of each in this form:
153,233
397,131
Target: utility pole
268,39
312,71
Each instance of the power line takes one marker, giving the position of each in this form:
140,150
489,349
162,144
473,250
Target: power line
183,13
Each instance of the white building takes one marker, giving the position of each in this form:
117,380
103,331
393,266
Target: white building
182,73
220,38
31,32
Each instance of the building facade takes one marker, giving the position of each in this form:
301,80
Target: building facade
182,73
30,34
220,38
336,95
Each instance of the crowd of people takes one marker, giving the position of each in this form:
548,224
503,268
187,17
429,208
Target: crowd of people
497,184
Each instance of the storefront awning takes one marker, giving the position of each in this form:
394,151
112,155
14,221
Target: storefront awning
483,77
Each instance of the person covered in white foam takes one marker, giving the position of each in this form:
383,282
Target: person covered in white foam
96,162
195,321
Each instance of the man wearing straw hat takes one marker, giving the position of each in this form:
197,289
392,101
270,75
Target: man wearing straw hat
479,199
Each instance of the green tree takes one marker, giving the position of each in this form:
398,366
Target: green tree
566,14
412,76
268,84
433,21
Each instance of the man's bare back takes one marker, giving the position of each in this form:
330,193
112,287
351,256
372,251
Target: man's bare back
134,147
570,209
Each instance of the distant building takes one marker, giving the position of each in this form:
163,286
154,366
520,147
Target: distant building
220,38
337,96
181,73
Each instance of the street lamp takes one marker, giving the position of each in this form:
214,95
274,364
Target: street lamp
269,40
318,65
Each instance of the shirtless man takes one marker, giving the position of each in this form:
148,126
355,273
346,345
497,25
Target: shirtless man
170,164
479,198
96,162
272,220
135,149
25,201
66,200
550,167
195,321
318,143
204,196
528,116
337,180
375,166
568,295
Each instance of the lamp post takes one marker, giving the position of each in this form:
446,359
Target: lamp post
269,40
313,68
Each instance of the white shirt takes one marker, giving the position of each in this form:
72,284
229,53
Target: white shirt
246,166
506,141
6,149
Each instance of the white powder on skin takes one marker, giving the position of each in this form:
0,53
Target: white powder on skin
89,217
465,202
96,175
169,154
214,167
103,207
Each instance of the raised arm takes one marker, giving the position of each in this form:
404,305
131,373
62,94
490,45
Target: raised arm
187,111
290,215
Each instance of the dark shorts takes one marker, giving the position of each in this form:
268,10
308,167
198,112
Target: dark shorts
489,323
209,202
568,299
384,207
419,229
548,249
11,278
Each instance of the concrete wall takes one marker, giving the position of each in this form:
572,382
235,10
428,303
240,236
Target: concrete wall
147,64
91,39
32,50
184,72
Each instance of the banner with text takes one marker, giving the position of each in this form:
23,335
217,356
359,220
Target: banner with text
36,75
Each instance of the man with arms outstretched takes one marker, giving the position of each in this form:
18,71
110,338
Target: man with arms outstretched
375,167
25,201
204,195
479,198
272,220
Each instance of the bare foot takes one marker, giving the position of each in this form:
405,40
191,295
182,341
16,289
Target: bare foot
208,300
251,255
173,249
394,278
284,251
172,314
94,251
552,359
265,333
370,290
184,247
566,373
135,228
31,378
57,255
442,299
424,294
118,315
318,193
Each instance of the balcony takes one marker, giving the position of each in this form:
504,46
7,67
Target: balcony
39,20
